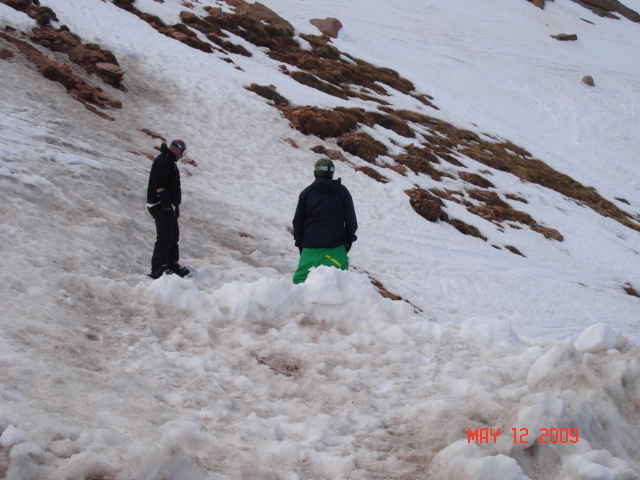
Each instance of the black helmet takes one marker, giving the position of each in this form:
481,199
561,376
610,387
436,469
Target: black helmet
324,168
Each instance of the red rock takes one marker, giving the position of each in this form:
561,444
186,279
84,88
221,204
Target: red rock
328,26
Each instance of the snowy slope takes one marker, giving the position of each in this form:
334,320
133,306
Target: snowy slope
237,373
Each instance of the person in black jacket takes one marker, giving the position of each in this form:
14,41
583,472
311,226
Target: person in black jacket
325,224
163,201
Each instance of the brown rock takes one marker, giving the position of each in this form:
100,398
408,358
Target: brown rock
181,37
383,291
466,229
152,134
328,26
215,12
187,16
110,73
418,164
550,233
110,68
399,169
268,92
588,80
69,38
4,54
20,5
565,37
56,73
539,3
260,12
370,172
334,154
291,142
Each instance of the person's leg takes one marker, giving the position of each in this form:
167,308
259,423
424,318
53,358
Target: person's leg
304,264
314,257
173,255
164,240
336,257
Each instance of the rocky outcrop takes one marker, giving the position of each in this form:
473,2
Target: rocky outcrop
320,122
260,12
600,6
268,92
42,15
494,209
477,180
328,26
550,233
466,229
76,86
427,205
362,145
93,58
604,8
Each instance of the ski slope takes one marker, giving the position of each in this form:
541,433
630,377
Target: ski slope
239,374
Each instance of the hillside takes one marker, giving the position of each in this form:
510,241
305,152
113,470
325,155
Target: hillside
494,284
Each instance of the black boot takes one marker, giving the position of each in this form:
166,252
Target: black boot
180,271
163,270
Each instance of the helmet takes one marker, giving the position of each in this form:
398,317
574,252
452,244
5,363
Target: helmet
324,168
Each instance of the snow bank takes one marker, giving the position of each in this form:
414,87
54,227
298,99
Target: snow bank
265,379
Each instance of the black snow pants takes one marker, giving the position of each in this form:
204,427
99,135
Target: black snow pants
165,252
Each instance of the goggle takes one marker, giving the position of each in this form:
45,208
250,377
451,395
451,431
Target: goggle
180,147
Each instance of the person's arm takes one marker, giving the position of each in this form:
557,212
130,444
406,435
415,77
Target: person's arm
298,223
350,220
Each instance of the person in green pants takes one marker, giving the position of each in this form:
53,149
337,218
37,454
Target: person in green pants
325,223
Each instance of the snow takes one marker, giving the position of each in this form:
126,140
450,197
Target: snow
237,373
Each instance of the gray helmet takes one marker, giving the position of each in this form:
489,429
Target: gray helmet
324,168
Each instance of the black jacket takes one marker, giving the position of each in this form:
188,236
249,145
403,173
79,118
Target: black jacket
164,174
325,217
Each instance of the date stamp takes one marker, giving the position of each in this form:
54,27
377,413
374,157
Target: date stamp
521,435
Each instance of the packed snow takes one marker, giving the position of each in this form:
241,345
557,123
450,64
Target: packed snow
496,366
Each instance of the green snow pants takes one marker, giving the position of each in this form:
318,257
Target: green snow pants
314,257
